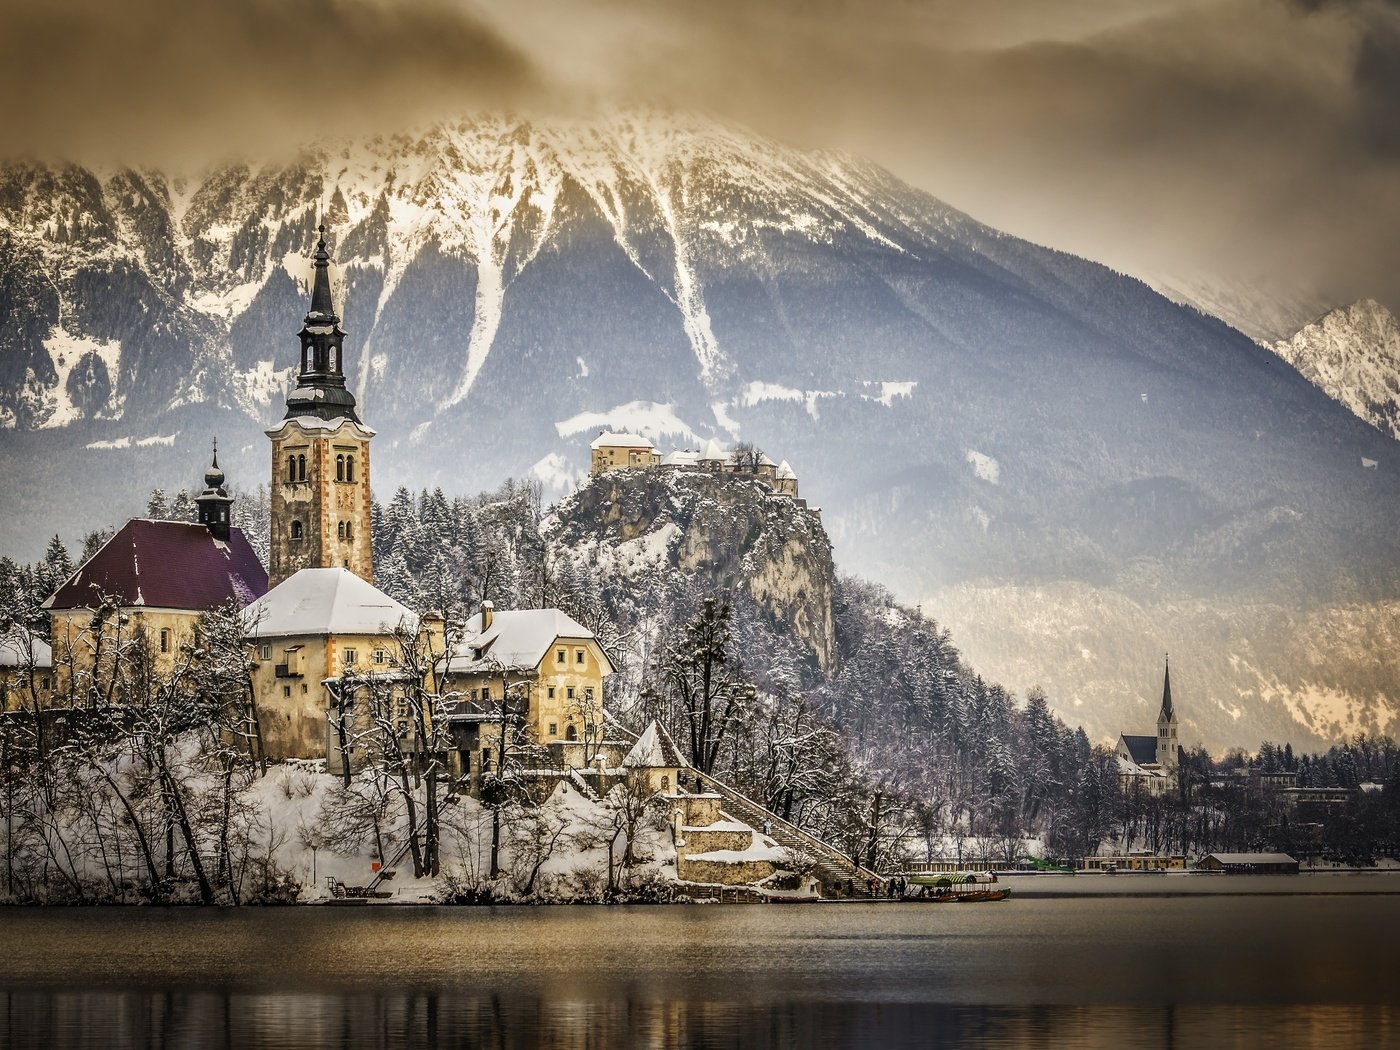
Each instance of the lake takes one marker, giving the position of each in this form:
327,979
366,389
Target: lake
1099,961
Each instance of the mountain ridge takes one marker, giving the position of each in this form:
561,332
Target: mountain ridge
968,408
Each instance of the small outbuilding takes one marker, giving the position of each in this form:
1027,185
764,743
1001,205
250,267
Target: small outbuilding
1249,863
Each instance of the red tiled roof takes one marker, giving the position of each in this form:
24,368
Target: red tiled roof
166,565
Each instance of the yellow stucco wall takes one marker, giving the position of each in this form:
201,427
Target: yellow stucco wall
77,644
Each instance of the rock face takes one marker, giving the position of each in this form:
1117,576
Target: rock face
732,532
1352,354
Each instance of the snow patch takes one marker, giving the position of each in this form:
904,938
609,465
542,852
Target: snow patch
758,392
890,391
256,388
983,465
648,418
65,350
556,472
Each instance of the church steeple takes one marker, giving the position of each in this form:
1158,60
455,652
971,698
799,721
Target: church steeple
1168,750
1167,714
214,503
320,389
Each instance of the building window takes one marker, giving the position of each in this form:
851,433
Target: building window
267,652
296,530
303,687
570,733
348,656
588,694
553,728
381,656
665,782
44,683
569,693
340,530
301,468
291,468
578,656
551,692
559,657
349,468
339,468
165,639
287,691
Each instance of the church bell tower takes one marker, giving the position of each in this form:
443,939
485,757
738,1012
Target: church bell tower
320,453
1167,747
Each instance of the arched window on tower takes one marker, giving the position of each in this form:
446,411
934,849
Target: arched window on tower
296,530
350,467
301,468
291,468
340,530
339,468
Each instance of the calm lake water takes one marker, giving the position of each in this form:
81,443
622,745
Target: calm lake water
1310,961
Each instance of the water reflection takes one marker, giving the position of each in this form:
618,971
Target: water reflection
1256,970
139,1020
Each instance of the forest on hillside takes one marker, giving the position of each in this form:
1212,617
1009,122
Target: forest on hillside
899,752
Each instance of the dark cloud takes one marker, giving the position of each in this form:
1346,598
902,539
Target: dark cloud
1241,140
148,80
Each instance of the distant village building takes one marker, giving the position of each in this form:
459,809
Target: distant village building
612,451
1249,863
1152,761
149,584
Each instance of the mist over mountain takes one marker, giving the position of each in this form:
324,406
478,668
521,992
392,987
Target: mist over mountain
1072,471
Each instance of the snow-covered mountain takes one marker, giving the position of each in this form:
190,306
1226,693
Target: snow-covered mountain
969,409
1352,354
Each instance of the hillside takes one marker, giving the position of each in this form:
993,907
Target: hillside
970,411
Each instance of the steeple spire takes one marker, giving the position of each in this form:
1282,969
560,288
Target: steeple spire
1167,714
320,389
214,503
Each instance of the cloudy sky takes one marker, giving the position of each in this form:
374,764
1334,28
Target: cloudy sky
1254,143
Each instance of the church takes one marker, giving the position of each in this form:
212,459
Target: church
1153,761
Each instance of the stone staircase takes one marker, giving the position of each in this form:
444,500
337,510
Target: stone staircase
833,866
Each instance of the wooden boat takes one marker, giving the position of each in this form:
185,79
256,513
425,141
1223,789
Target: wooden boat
963,896
956,888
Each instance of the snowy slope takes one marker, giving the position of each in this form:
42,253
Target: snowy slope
1352,354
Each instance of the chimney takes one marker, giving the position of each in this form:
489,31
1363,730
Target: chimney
488,613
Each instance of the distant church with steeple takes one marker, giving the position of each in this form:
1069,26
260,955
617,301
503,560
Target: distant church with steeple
1153,760
320,453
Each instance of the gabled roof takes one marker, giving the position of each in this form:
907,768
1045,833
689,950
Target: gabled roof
17,644
1252,858
517,639
612,439
1142,749
166,565
714,450
654,749
681,457
322,602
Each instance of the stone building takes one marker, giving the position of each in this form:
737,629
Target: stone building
305,635
320,490
612,451
547,670
149,584
26,669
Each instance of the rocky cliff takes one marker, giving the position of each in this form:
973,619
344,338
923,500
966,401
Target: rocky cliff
734,533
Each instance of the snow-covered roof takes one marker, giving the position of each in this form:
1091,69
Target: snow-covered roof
654,749
321,602
764,461
681,457
785,470
16,644
714,450
517,639
611,439
1252,858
